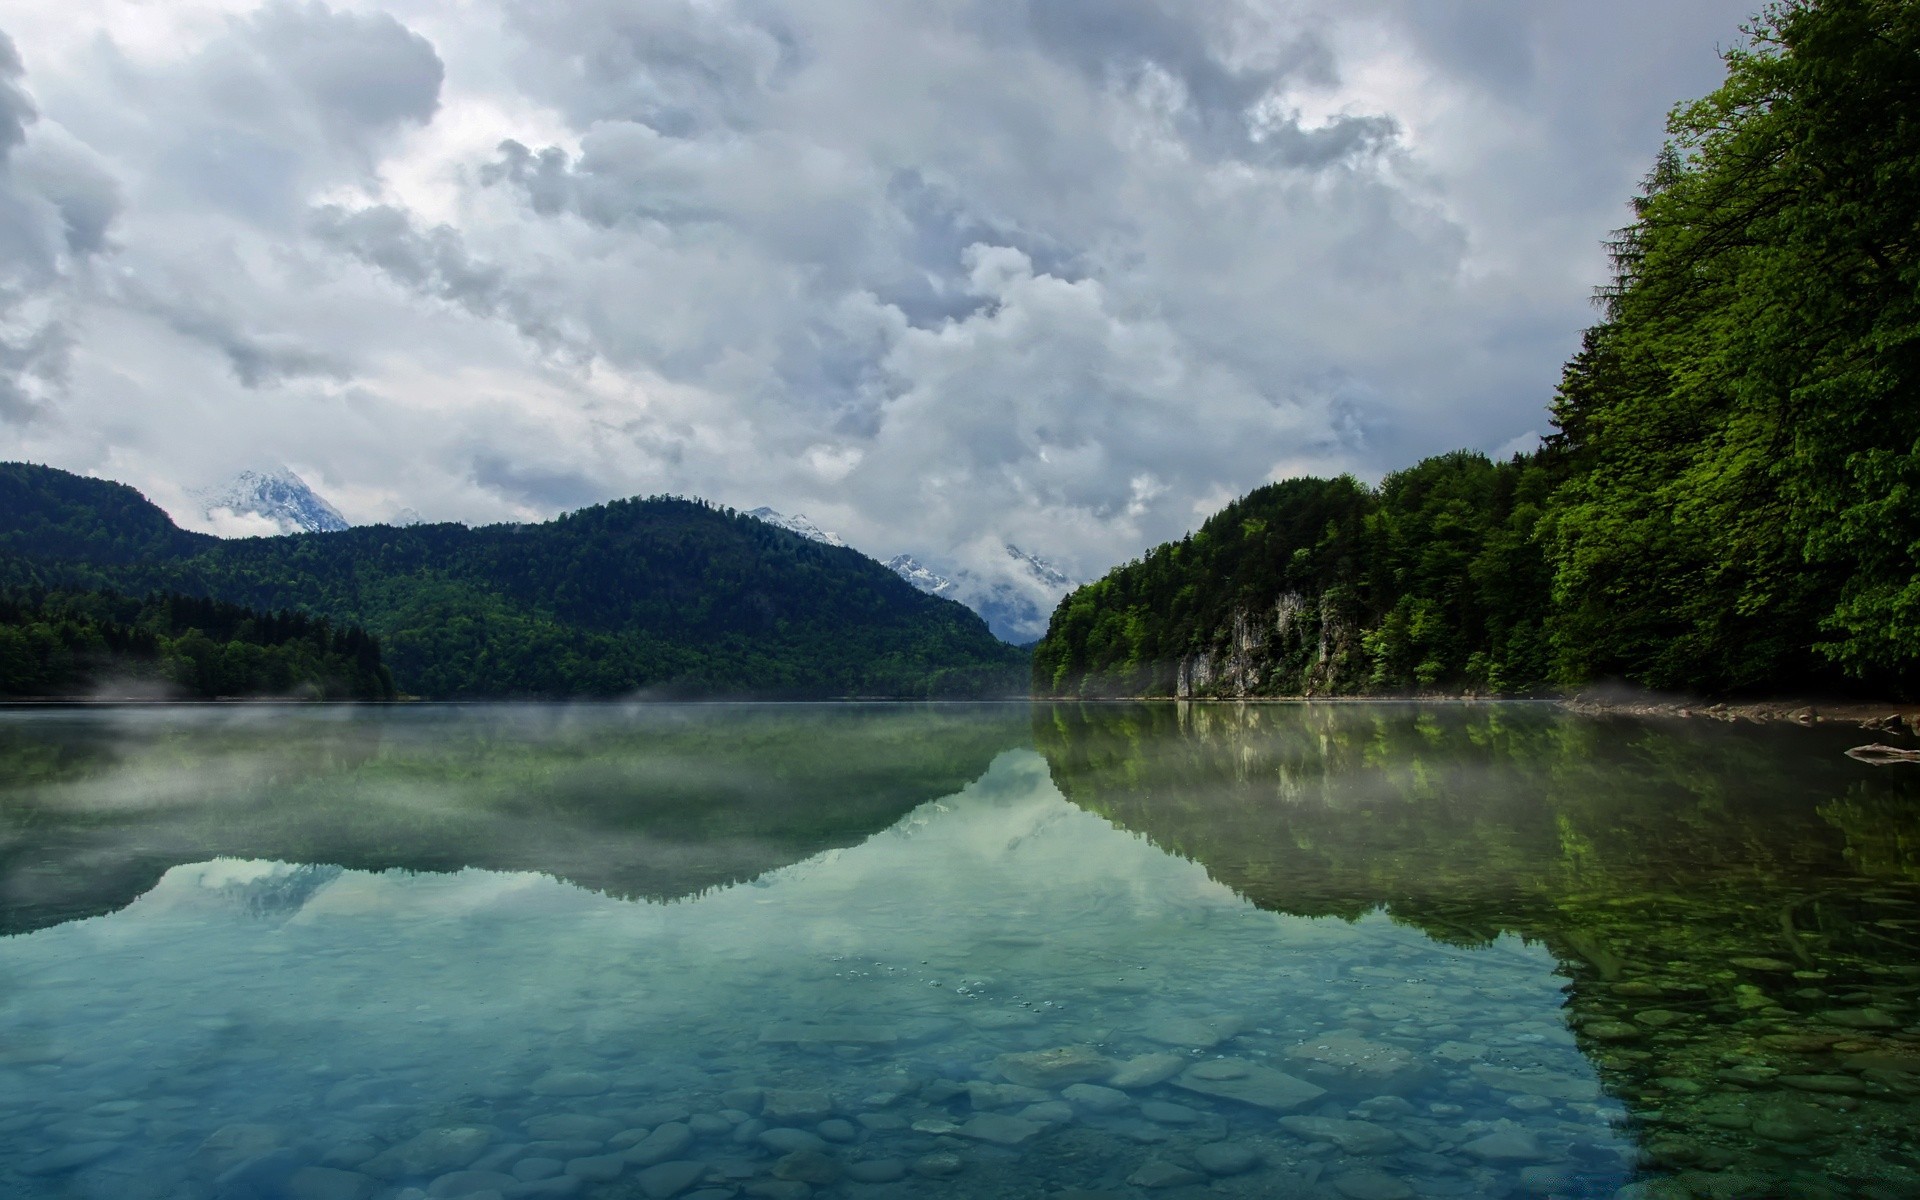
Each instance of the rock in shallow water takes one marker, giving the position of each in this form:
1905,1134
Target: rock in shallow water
667,1179
1263,1087
1354,1137
662,1144
1094,1098
431,1152
1158,1173
1226,1158
1372,1185
1354,1065
1146,1070
998,1129
1055,1068
1510,1145
570,1083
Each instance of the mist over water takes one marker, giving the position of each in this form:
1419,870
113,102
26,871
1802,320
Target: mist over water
848,951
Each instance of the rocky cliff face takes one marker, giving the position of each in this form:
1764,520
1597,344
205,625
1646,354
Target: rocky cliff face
1301,646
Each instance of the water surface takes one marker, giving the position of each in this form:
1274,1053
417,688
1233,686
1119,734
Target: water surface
1364,951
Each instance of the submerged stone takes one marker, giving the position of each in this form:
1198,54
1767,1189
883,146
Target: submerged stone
327,1183
1226,1158
1510,1145
1354,1137
1372,1185
663,1180
998,1129
1157,1173
1146,1070
432,1152
1055,1068
1197,1033
1355,1065
1248,1083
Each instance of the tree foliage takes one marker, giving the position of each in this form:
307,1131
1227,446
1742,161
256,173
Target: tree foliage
1731,502
78,643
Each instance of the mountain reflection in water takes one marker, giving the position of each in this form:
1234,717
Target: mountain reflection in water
1345,950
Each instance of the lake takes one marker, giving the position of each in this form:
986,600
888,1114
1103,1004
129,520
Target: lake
1361,951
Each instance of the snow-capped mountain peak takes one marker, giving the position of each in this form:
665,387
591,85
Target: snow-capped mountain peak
1042,570
797,523
279,497
909,568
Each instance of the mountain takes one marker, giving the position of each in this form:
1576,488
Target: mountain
663,595
797,523
1014,594
909,568
279,495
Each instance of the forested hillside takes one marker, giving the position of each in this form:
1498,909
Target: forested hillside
669,595
70,645
1731,499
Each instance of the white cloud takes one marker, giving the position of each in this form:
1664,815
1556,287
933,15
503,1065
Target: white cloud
943,276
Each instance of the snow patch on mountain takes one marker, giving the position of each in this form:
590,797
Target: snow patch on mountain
256,504
911,569
1014,591
797,523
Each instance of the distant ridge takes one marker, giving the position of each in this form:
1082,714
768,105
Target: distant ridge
659,596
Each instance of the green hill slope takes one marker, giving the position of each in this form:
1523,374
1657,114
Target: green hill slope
668,595
1729,502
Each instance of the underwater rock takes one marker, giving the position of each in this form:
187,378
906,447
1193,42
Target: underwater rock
431,1152
1354,1137
1194,1033
1510,1145
807,1166
1157,1173
1056,1067
1226,1158
664,1143
561,1127
1146,1070
1165,1112
230,1145
780,1104
1346,1063
791,1141
1371,1185
1263,1087
877,1170
570,1083
326,1183
998,1129
1859,1018
465,1183
939,1165
666,1179
597,1168
1096,1099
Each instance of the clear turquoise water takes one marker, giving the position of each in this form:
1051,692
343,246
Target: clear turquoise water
845,951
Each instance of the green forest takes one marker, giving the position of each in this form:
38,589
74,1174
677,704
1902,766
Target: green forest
1729,502
98,643
661,596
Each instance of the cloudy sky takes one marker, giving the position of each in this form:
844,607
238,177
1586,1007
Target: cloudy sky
940,274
